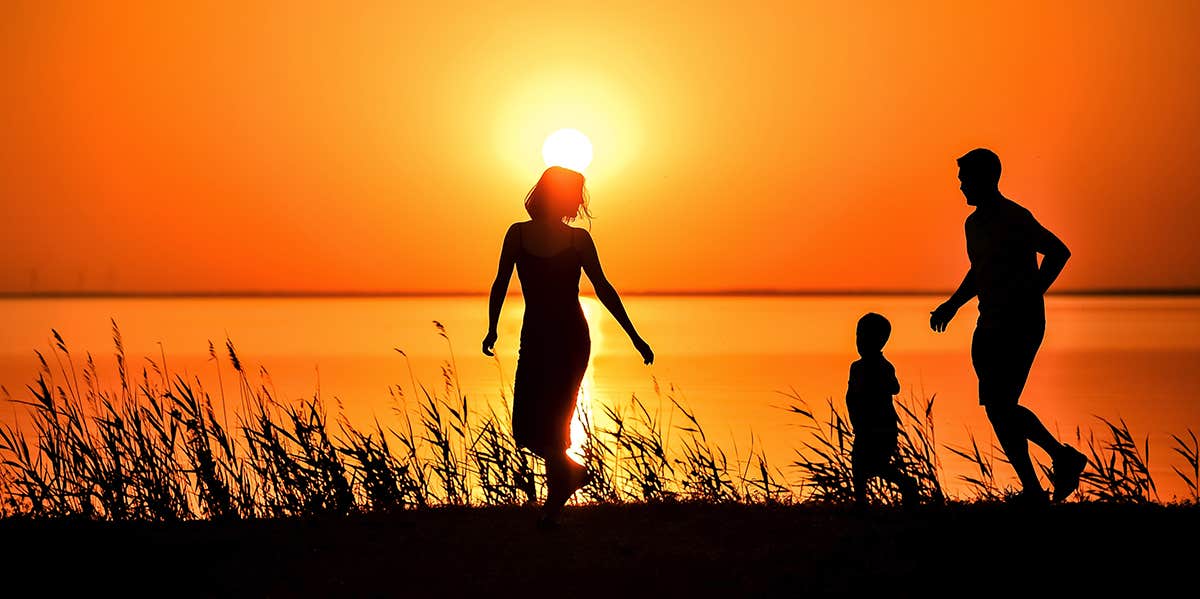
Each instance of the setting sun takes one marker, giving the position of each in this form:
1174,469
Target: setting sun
569,148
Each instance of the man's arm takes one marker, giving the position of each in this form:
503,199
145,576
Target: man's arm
1055,255
966,290
941,316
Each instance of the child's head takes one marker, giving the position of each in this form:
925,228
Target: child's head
873,332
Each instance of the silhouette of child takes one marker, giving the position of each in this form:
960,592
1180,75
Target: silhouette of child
872,413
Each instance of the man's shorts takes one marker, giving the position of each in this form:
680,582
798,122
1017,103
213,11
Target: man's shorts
1002,356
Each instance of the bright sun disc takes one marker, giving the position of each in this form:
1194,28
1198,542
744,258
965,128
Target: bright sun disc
568,148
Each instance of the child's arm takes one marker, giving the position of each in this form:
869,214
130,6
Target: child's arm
892,383
854,389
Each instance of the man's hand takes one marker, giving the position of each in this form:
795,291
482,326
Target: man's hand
940,318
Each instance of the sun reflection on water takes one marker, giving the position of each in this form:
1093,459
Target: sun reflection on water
592,309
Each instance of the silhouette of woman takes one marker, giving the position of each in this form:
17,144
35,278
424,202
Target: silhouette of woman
548,254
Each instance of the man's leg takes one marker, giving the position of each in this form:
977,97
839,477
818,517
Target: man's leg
1000,362
1035,431
1010,432
1025,342
1068,463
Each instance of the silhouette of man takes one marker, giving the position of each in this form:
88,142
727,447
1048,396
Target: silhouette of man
1003,241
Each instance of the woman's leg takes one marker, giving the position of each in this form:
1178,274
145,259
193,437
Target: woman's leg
563,478
563,475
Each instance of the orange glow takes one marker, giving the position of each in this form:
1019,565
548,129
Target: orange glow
264,146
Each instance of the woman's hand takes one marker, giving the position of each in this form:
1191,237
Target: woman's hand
644,349
489,343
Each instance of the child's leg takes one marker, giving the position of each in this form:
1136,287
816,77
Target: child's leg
860,487
859,478
909,492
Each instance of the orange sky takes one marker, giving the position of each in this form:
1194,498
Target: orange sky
387,147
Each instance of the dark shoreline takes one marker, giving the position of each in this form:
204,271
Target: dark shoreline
622,550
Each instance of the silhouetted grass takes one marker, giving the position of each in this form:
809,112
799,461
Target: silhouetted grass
825,462
983,485
1189,450
156,446
1119,469
639,449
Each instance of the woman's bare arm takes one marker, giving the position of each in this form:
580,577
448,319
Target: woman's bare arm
607,294
508,259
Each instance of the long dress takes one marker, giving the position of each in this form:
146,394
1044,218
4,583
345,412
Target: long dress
555,345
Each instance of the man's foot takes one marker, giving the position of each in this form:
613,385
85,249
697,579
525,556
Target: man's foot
1068,465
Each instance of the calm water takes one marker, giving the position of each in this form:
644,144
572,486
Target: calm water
1136,359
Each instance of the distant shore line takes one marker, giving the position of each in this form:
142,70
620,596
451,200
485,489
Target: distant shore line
749,292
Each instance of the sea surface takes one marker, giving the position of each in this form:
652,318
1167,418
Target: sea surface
737,361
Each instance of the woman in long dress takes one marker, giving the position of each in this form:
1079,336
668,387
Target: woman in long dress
549,254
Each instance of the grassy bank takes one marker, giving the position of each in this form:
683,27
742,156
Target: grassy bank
669,549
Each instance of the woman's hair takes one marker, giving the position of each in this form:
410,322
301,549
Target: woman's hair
560,194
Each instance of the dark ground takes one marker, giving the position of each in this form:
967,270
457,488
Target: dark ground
617,551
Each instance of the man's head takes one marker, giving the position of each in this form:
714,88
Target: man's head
979,175
873,332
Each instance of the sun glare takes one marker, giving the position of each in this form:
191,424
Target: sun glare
569,148
583,416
